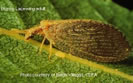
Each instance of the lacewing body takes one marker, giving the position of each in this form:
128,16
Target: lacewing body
87,39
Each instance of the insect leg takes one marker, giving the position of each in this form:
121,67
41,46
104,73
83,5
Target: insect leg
50,50
46,24
40,49
31,31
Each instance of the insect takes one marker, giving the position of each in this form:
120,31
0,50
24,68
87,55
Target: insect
87,39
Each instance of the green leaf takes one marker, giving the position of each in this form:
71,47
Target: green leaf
20,62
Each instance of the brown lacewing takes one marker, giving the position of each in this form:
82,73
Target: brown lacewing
87,39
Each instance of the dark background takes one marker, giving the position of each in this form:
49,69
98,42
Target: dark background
125,3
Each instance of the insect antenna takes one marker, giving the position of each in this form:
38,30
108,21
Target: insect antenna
19,31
